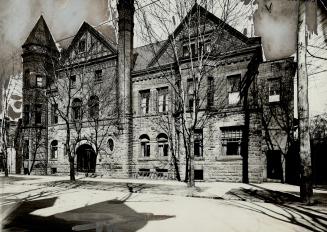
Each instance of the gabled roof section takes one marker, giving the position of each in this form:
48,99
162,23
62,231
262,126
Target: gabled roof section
87,27
145,54
202,11
41,35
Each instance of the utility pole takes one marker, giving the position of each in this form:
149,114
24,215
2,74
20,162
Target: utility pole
303,107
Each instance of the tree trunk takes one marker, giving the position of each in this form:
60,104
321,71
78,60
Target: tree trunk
6,169
72,169
190,182
245,141
306,191
177,175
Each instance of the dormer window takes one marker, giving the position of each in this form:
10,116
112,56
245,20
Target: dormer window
81,46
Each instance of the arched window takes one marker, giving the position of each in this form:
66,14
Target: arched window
162,140
111,144
54,149
77,109
93,105
145,145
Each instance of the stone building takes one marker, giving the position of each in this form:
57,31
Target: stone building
122,108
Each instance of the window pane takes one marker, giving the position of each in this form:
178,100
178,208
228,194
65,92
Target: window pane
233,83
274,90
145,100
98,75
81,46
165,150
38,113
39,81
232,148
198,140
186,50
72,80
148,150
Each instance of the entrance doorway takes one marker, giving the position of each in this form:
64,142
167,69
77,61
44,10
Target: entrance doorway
274,165
86,159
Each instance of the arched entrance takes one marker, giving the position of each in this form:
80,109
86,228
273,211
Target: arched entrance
86,158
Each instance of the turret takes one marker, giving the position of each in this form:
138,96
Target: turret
39,58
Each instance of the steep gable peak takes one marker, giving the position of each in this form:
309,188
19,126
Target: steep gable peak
101,34
40,35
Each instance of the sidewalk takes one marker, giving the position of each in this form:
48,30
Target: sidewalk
264,192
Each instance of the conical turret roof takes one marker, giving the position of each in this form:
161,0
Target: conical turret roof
41,35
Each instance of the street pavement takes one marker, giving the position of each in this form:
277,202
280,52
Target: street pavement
34,203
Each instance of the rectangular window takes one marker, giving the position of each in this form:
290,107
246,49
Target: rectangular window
53,170
54,113
163,100
145,101
98,75
198,143
198,174
233,89
54,149
163,149
82,46
232,148
145,146
210,93
39,81
26,149
187,48
186,51
193,50
26,116
190,94
72,82
231,140
274,90
38,113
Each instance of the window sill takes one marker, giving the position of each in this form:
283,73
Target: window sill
152,158
198,158
229,158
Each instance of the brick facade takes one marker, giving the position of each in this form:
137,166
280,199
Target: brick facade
132,127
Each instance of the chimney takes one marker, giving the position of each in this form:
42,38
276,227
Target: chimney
125,55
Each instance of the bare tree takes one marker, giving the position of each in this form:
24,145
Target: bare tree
102,113
85,102
192,55
8,88
37,151
64,97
